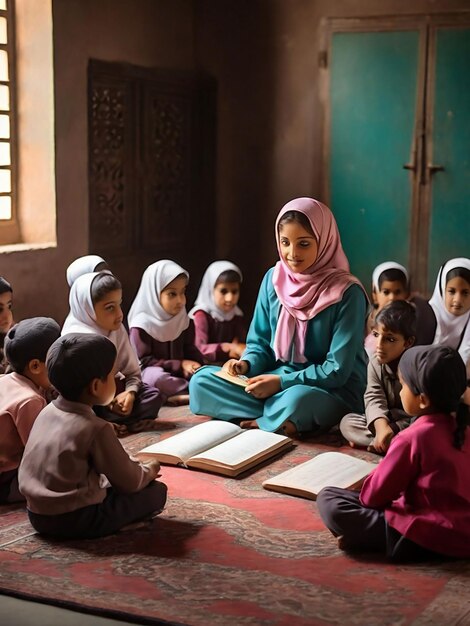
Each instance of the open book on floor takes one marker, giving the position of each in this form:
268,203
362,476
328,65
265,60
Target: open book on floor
219,447
328,469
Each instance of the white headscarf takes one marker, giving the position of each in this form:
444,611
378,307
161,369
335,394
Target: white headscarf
146,311
452,330
82,319
205,297
82,265
383,267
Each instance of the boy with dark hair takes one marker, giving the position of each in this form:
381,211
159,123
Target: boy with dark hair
22,395
71,450
394,331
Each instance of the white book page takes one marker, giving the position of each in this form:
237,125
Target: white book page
194,440
236,452
328,469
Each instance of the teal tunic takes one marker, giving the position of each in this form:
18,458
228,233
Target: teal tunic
317,393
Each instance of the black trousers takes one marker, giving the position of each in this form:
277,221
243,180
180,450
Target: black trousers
97,520
9,490
364,529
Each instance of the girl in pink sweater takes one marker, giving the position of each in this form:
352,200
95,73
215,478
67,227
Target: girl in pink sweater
417,502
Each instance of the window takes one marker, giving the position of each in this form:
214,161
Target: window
7,208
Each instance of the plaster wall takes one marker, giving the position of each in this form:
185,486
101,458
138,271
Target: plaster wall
143,32
264,55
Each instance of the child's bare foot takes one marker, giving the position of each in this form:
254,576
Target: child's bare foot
289,429
142,425
120,429
341,542
249,424
178,400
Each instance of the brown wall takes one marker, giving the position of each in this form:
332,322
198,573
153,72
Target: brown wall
263,54
144,32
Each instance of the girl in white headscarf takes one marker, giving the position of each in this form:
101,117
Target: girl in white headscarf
85,265
218,321
95,307
161,331
451,305
390,282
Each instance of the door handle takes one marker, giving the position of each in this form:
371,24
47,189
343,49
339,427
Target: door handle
432,169
410,166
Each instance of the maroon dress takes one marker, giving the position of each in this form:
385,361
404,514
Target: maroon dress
161,361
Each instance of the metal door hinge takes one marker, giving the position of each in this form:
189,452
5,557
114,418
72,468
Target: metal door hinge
323,59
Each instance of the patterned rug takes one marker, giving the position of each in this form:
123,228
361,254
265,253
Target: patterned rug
227,552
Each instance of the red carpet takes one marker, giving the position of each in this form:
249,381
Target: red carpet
225,552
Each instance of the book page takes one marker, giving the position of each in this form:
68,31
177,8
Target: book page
192,441
236,380
236,452
328,469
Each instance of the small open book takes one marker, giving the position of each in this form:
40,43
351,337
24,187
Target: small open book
219,447
236,380
328,469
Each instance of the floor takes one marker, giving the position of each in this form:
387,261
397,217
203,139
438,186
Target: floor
16,612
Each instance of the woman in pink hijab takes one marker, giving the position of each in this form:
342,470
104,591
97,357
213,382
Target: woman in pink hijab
304,358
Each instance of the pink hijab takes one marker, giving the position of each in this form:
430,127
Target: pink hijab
304,295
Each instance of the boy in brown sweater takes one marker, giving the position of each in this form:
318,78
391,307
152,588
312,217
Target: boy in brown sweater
78,480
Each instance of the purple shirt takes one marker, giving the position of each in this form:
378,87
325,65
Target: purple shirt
165,354
211,333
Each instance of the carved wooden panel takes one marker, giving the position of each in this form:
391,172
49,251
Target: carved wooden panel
109,175
151,164
166,202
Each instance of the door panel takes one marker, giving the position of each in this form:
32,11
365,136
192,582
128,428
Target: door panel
373,91
450,209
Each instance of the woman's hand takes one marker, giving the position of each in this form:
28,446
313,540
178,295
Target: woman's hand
123,403
235,367
189,367
263,386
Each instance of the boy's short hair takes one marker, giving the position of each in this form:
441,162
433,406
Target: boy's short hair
30,339
5,286
398,317
76,359
392,275
229,276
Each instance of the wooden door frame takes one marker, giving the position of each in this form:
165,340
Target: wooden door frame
421,190
433,24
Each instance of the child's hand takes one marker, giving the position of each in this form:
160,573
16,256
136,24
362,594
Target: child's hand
123,403
154,468
189,367
383,436
263,386
235,367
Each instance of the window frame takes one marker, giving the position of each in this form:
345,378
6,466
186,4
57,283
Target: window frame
9,228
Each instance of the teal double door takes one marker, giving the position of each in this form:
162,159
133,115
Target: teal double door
398,142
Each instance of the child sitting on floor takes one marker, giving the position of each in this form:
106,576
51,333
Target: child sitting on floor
394,331
391,282
451,305
95,307
161,331
71,451
416,503
6,318
22,395
218,321
85,265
